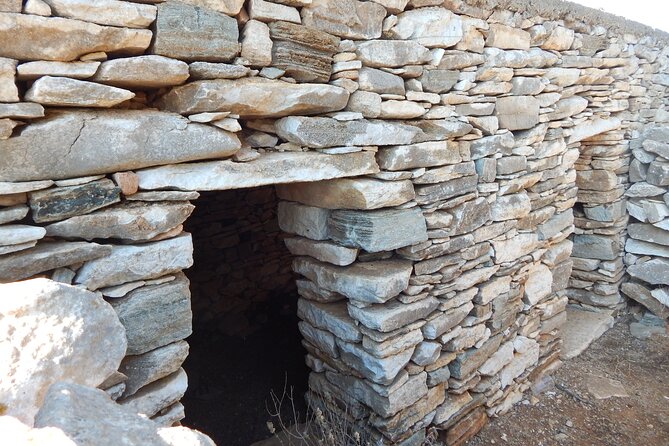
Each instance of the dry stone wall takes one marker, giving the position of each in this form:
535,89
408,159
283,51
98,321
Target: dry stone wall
433,159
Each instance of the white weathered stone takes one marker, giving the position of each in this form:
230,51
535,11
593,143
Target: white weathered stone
392,53
350,19
105,12
510,207
373,282
349,193
142,72
430,27
655,271
268,12
31,37
229,7
592,128
254,97
65,145
538,284
307,221
394,109
508,38
17,234
74,70
256,44
9,92
53,332
514,248
61,91
517,112
321,250
129,263
13,213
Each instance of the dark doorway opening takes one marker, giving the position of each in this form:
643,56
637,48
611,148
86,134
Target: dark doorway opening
245,341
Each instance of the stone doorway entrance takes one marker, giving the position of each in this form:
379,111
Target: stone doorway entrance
245,342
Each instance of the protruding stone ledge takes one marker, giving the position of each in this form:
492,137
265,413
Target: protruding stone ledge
31,37
373,282
78,143
272,168
255,97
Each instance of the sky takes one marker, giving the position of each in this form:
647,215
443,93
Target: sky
649,12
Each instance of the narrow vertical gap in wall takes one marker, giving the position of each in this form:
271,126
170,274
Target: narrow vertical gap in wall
245,340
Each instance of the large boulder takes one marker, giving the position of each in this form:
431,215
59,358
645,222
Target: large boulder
89,417
53,332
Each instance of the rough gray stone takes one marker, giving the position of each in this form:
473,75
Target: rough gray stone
593,246
270,168
655,271
158,395
372,282
48,256
307,221
128,221
332,317
375,231
155,315
130,263
151,366
426,154
187,32
393,315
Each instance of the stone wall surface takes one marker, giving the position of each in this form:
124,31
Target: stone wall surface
433,159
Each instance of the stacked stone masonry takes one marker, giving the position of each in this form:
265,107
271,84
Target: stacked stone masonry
442,168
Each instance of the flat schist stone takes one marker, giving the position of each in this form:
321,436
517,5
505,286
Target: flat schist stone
349,193
427,154
158,395
46,257
131,263
270,168
142,72
350,19
66,144
60,203
380,230
655,271
393,315
31,37
332,317
321,250
191,33
320,132
254,98
155,315
128,221
372,282
582,329
105,12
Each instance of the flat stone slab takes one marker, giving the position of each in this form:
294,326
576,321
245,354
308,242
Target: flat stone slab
380,230
131,263
128,221
155,315
254,97
105,12
67,144
373,282
582,329
321,250
270,168
31,37
48,256
603,388
349,193
394,315
319,133
189,32
142,72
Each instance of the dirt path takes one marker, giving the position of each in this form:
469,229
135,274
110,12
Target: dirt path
567,413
